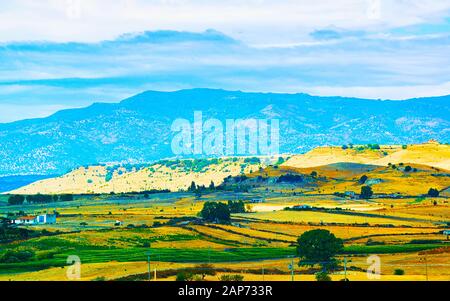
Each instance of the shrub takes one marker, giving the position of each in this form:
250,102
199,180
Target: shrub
235,277
184,276
323,276
14,256
399,272
408,168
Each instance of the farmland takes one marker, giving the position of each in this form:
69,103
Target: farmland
112,233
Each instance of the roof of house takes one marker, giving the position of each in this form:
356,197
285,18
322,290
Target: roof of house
27,218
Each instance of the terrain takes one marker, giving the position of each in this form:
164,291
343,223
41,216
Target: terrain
116,220
338,170
137,130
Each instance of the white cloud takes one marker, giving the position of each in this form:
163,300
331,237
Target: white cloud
254,21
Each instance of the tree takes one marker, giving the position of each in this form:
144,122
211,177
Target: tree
16,200
433,192
314,174
193,187
212,186
66,198
236,207
318,247
366,192
408,168
323,276
363,179
215,212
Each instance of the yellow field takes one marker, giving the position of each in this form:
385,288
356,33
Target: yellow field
322,217
412,264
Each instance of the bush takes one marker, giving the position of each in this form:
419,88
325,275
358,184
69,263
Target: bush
184,276
235,277
399,272
323,276
433,192
408,168
14,256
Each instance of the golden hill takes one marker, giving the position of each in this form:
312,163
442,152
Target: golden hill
431,154
172,175
392,180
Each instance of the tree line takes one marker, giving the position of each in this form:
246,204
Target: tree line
38,199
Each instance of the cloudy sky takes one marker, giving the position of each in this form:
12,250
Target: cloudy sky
57,54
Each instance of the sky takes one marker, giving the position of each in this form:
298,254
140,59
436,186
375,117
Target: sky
57,54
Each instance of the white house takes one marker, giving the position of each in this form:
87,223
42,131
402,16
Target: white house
25,220
36,220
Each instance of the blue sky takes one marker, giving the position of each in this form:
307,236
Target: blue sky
57,54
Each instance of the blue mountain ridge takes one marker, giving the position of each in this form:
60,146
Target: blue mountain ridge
137,130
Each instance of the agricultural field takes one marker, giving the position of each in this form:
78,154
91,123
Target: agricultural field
114,233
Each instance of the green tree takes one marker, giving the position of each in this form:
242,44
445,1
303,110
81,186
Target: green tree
215,212
212,186
318,247
366,192
323,276
433,192
236,207
16,200
193,187
66,198
363,179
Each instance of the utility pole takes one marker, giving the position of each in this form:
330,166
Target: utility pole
345,268
148,262
291,267
424,258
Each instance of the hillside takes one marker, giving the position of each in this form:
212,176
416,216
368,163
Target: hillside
431,154
338,170
137,130
172,175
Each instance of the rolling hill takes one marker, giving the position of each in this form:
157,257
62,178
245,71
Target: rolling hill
173,175
431,154
337,169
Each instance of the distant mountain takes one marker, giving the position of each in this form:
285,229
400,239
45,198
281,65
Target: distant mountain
137,129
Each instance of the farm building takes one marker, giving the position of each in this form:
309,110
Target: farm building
36,220
25,220
350,194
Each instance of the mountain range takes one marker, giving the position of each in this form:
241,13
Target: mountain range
138,129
